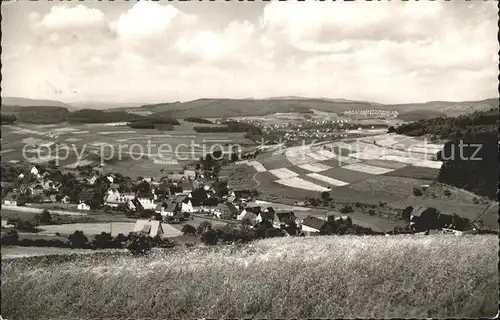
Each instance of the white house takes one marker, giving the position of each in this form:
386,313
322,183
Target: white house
20,176
187,206
93,179
34,171
147,203
83,206
65,199
110,179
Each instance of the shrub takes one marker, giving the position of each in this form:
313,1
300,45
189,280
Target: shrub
346,209
188,229
447,192
209,237
45,217
11,237
372,212
78,240
105,241
139,244
417,192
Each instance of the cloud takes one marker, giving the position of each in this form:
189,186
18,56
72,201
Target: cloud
379,51
61,17
149,19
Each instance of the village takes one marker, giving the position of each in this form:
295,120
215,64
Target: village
177,198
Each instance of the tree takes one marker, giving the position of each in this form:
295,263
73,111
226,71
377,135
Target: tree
103,241
204,226
391,129
45,217
78,240
325,195
209,237
188,229
139,244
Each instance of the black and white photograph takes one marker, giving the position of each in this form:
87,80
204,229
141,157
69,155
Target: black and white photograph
249,159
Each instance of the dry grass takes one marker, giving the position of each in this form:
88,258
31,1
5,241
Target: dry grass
330,277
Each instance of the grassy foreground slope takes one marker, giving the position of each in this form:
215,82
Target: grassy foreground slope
331,277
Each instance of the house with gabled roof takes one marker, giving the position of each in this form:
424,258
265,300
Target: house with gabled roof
266,215
249,213
283,219
227,210
313,226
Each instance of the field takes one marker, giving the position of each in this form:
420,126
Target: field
19,252
119,146
330,166
313,277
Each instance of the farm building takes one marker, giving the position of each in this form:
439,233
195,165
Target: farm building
225,211
151,228
10,199
313,226
186,186
249,213
283,219
83,206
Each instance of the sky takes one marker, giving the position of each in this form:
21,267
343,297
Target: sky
386,52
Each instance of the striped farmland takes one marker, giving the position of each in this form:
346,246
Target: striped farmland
283,173
361,167
333,182
296,182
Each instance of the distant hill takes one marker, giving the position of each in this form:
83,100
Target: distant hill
450,109
106,106
38,114
415,115
100,116
26,102
210,108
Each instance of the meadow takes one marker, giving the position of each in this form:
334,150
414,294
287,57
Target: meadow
313,277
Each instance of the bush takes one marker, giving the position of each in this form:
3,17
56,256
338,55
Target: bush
78,240
45,217
372,212
139,244
188,229
209,237
346,209
10,238
417,192
447,192
105,241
